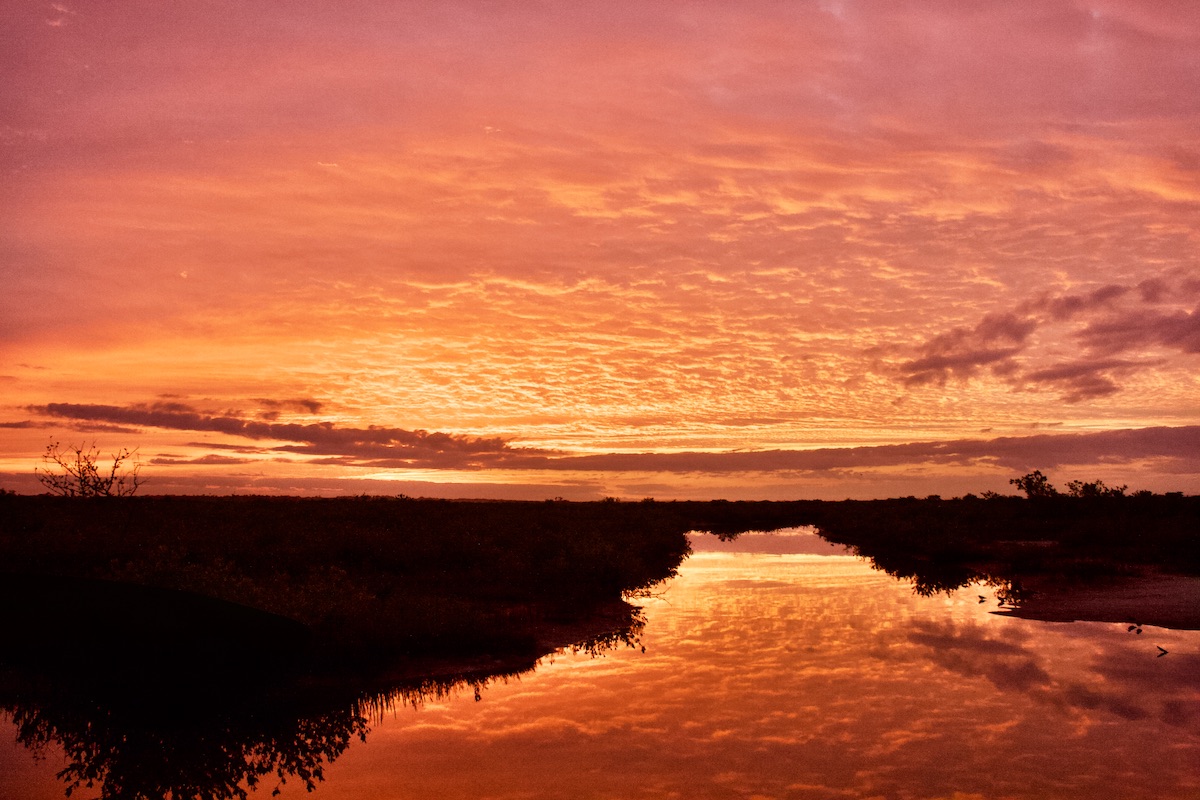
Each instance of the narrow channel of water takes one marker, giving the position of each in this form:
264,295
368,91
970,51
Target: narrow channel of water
778,666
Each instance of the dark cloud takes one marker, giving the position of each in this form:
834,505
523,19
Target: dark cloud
962,363
235,448
273,409
1108,322
1153,290
395,448
962,351
1085,379
412,447
208,460
86,427
1178,330
1019,453
1067,306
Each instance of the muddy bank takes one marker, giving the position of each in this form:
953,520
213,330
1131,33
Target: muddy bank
1165,601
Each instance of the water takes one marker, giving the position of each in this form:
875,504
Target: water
796,671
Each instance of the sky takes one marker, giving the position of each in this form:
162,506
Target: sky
768,250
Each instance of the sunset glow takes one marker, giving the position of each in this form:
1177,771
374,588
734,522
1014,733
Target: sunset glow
761,250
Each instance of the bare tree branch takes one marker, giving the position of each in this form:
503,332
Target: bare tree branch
76,472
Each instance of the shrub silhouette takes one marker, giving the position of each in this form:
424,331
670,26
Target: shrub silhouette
76,472
1094,489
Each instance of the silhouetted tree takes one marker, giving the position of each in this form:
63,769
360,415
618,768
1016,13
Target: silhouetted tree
76,472
1094,489
1035,484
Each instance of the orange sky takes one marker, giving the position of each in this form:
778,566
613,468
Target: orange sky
811,249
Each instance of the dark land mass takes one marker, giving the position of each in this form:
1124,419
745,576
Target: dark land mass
366,580
357,581
1132,559
201,646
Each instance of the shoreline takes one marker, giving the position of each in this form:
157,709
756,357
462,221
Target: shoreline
1153,599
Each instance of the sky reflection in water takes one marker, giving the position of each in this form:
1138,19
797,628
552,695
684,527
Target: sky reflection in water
813,676
806,675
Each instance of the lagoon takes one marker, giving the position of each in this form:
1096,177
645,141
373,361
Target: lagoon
781,666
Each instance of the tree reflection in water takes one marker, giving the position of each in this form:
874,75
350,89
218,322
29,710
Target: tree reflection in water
137,748
184,734
930,572
931,576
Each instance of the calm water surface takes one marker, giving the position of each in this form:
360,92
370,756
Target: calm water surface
779,667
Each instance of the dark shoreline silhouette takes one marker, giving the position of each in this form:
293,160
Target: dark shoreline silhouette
395,576
369,579
1058,558
390,576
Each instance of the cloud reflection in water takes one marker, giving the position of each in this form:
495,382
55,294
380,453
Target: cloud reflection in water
799,675
804,676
